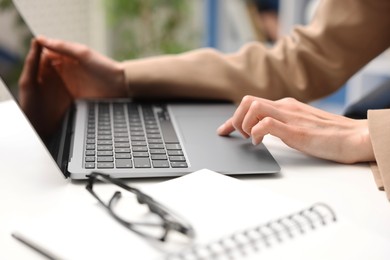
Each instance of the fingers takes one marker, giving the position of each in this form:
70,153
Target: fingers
47,65
291,135
240,113
29,74
73,50
248,114
287,133
257,112
226,128
242,110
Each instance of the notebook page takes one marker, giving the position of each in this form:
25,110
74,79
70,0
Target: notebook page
217,205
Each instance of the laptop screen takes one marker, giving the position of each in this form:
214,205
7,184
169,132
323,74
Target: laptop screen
21,19
14,46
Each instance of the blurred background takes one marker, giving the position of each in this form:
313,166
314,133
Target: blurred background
128,29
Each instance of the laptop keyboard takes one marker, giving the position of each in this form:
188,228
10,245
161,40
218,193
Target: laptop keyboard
130,135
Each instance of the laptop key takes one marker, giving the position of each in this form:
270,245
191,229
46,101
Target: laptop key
155,141
90,158
179,165
160,164
105,159
159,157
173,146
91,131
139,149
105,165
119,134
90,152
141,154
138,138
137,133
157,151
153,136
138,143
121,140
122,145
105,132
167,129
122,156
120,130
152,131
90,147
177,158
135,129
104,137
142,163
175,152
156,146
104,153
123,163
104,147
89,165
122,150
104,142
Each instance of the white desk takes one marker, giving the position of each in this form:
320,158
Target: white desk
29,185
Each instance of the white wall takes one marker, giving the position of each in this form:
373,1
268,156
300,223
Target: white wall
75,20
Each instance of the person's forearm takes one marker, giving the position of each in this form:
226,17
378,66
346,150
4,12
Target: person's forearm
311,63
190,75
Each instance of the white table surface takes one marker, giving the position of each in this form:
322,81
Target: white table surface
31,184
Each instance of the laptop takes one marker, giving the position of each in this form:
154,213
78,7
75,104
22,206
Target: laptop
138,139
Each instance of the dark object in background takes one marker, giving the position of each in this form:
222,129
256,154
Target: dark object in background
376,99
267,5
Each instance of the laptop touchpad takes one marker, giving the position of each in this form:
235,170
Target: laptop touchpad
206,149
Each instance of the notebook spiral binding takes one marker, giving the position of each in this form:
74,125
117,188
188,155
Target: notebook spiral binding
253,240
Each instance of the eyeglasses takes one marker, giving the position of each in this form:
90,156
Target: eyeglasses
148,218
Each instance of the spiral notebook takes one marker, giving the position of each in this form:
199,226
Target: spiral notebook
251,242
232,220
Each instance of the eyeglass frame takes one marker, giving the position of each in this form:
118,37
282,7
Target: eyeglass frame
171,221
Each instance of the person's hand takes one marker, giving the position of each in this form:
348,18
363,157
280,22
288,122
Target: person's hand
302,127
86,73
43,95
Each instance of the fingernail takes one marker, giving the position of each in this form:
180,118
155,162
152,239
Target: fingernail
254,142
220,128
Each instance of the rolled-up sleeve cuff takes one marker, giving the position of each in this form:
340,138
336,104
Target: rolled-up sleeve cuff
379,127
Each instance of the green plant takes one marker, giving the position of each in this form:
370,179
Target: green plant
5,4
148,27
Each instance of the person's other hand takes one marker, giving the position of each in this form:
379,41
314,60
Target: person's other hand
43,95
86,73
302,127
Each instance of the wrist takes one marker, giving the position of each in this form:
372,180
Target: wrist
365,149
121,82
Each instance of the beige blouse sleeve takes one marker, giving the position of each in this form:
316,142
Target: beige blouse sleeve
379,127
310,63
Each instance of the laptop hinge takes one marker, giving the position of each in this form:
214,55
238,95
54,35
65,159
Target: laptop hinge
64,141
